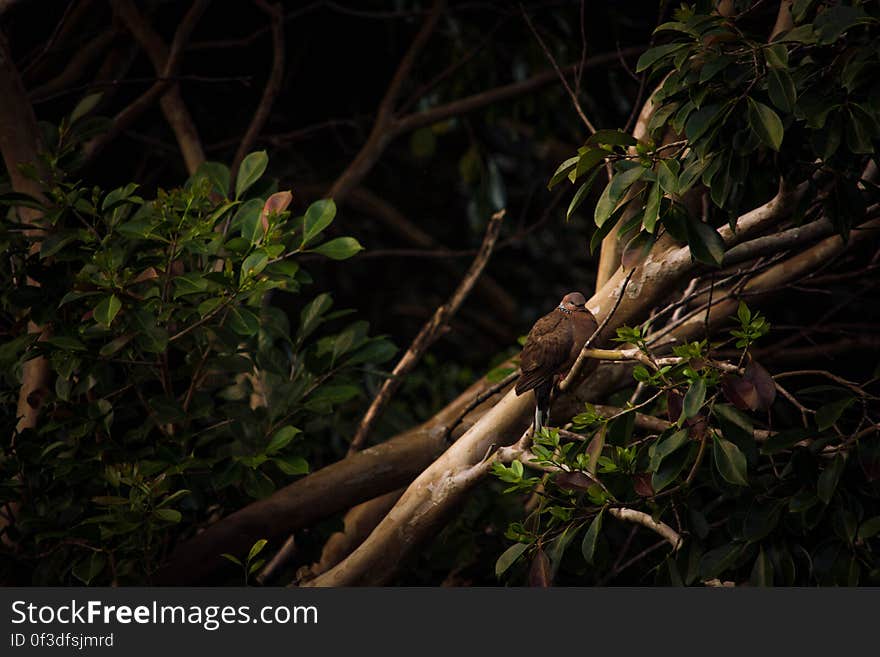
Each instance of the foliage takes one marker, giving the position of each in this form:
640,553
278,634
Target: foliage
803,107
794,506
178,390
760,493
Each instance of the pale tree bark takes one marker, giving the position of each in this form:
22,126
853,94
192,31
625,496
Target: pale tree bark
20,144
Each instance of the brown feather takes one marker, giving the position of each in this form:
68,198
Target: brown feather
548,347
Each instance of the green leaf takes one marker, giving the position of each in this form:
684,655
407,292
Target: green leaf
830,413
255,566
700,121
665,447
256,548
670,468
242,321
217,174
254,264
693,400
652,208
587,161
234,560
281,439
762,571
192,283
730,461
869,528
668,178
649,57
339,248
509,557
834,21
581,194
65,342
781,89
247,219
613,192
319,215
827,483
90,567
714,66
115,345
611,138
310,317
765,123
716,561
588,545
292,465
107,309
562,172
85,106
705,243
517,468
776,55
252,167
167,515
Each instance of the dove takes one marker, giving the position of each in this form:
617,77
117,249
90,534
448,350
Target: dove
551,348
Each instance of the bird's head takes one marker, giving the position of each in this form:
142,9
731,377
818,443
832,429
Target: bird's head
573,302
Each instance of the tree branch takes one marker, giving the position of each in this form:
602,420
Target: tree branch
381,134
643,519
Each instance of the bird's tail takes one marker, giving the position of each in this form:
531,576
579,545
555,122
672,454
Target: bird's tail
542,406
541,417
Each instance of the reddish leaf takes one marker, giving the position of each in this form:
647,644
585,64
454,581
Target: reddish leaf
642,484
539,573
765,388
147,274
739,392
673,405
697,427
275,204
574,480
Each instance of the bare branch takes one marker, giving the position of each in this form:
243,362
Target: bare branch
428,334
579,67
381,132
645,520
270,91
184,129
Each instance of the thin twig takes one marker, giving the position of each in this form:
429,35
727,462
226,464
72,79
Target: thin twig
428,334
270,91
579,67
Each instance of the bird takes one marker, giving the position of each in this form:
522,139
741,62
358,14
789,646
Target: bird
551,348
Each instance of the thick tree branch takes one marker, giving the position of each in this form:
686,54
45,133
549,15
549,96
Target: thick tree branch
428,334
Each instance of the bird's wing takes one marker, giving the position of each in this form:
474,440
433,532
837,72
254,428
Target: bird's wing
546,350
